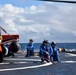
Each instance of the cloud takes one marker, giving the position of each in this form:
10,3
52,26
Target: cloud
50,21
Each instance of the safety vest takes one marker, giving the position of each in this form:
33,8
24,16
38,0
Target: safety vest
0,49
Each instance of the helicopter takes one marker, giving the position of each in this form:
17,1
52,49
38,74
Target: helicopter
4,40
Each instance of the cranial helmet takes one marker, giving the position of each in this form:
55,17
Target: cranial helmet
31,40
53,43
45,41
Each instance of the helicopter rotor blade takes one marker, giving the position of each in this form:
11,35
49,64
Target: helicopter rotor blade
59,1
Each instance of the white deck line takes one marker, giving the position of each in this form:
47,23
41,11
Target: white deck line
4,63
70,55
24,59
68,61
29,67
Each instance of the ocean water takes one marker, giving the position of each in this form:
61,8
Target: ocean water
69,46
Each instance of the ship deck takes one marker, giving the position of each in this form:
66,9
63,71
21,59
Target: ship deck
21,65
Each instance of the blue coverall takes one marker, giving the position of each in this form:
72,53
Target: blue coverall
55,53
43,50
50,51
30,50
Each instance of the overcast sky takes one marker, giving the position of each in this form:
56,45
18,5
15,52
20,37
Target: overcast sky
39,20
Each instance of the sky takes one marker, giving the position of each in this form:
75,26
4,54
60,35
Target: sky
39,20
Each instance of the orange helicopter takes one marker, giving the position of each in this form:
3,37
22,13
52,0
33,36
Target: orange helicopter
13,44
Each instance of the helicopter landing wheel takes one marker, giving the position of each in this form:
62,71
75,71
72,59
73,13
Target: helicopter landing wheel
1,57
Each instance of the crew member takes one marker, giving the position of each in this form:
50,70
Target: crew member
44,54
30,48
50,51
55,52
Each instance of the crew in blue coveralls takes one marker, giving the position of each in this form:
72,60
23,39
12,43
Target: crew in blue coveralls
30,48
43,51
50,51
55,52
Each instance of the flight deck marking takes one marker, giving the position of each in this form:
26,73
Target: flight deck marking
68,61
70,55
28,61
29,67
4,63
37,66
25,59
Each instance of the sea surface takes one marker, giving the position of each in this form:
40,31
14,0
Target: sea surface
69,46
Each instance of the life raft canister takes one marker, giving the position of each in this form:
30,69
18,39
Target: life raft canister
14,47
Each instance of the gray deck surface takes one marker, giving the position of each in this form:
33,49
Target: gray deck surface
67,66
